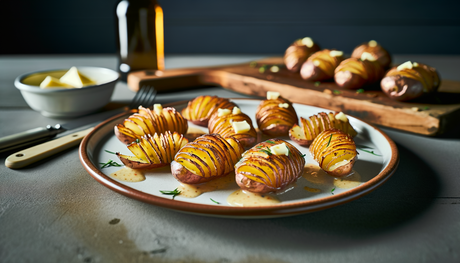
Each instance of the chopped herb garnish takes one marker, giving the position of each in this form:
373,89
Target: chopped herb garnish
426,108
336,92
330,138
253,64
138,141
109,151
214,201
360,91
174,193
270,141
259,147
371,152
303,155
266,151
317,83
109,164
332,191
364,147
263,68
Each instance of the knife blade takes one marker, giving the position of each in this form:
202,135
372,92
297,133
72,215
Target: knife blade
41,134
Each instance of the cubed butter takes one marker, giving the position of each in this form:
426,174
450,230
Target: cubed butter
157,108
241,126
405,65
341,116
336,53
367,56
283,105
280,149
223,112
272,95
74,78
52,82
236,110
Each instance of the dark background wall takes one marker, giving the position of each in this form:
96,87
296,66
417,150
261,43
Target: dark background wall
237,26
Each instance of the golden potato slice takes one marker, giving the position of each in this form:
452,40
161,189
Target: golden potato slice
335,152
153,151
200,109
306,132
261,170
276,116
148,121
208,157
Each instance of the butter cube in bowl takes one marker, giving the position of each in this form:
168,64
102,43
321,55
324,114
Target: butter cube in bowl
67,93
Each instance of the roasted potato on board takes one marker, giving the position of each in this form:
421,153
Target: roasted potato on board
153,151
315,124
224,123
321,65
298,52
335,152
409,81
372,47
148,121
276,116
208,157
262,170
353,73
200,109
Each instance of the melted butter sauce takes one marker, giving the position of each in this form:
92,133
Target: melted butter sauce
243,198
192,191
350,181
127,174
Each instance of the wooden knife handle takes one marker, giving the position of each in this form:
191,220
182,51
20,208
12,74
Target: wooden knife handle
28,156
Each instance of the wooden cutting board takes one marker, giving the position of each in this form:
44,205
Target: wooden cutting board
431,116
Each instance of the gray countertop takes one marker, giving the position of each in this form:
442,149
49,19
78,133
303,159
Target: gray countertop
53,211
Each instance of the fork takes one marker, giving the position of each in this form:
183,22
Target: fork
145,96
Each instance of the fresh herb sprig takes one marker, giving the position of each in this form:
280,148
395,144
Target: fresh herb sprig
364,147
214,201
174,192
110,163
329,142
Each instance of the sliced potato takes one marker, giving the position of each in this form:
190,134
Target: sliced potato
223,126
148,121
208,157
276,116
153,151
335,152
200,109
306,132
260,170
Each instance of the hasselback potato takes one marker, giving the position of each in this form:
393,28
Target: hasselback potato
276,116
321,65
151,151
310,128
353,73
377,52
208,157
264,169
148,121
335,152
298,52
410,80
226,123
200,109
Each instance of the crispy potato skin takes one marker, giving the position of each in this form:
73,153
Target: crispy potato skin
200,109
274,120
261,172
330,148
409,84
297,53
183,175
320,66
124,138
138,165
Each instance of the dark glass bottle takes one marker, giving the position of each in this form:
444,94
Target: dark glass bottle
140,36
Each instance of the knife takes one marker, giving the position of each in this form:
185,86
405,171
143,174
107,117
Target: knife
41,134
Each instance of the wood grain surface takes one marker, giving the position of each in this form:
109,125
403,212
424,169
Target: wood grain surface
432,115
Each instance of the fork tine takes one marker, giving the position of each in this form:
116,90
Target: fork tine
144,97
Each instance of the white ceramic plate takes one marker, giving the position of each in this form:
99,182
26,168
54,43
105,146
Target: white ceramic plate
307,195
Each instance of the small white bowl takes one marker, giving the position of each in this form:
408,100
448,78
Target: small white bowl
68,102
